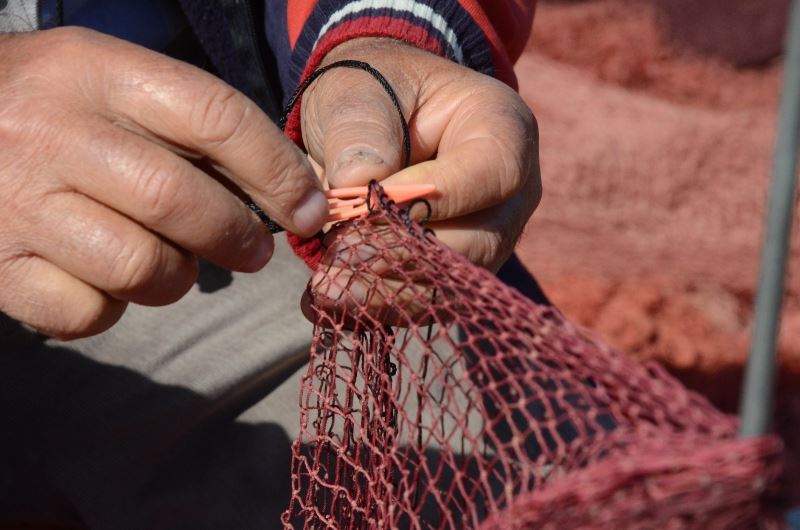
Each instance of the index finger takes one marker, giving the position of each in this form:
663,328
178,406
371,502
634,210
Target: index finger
487,153
193,110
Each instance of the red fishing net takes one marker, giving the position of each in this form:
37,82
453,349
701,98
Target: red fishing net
437,397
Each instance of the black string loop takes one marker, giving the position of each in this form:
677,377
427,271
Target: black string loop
428,210
358,65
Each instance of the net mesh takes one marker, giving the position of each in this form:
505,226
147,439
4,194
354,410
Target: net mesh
437,397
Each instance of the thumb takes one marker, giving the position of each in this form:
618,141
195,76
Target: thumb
352,129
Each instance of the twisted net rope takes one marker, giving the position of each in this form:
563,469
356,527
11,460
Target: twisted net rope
438,398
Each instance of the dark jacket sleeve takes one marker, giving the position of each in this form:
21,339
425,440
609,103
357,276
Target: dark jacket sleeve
485,35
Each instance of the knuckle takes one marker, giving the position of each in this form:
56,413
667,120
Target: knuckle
158,185
490,244
286,172
516,141
52,57
13,266
516,174
496,247
482,247
38,60
136,266
220,114
353,124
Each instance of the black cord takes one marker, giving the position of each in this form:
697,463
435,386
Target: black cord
298,93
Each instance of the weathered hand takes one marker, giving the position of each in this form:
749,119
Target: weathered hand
471,135
103,197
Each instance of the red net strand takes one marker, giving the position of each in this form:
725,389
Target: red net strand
438,398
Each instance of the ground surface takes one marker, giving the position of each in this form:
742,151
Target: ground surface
655,164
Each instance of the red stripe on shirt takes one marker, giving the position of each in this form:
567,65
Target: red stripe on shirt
363,27
513,20
297,13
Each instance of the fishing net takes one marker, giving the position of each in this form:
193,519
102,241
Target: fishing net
437,397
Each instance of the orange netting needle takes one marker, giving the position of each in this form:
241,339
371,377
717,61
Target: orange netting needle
348,203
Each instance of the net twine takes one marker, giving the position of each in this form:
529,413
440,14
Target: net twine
437,397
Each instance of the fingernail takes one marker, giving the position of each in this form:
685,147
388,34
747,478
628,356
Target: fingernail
362,156
311,213
261,254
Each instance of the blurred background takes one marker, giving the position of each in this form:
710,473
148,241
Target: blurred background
657,123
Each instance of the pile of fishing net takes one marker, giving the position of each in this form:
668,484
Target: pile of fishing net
437,397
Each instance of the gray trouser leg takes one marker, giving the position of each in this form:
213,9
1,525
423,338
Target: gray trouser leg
178,417
18,15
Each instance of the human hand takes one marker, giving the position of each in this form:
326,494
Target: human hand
471,135
118,166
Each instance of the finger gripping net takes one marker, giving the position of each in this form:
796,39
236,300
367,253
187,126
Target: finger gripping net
438,398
